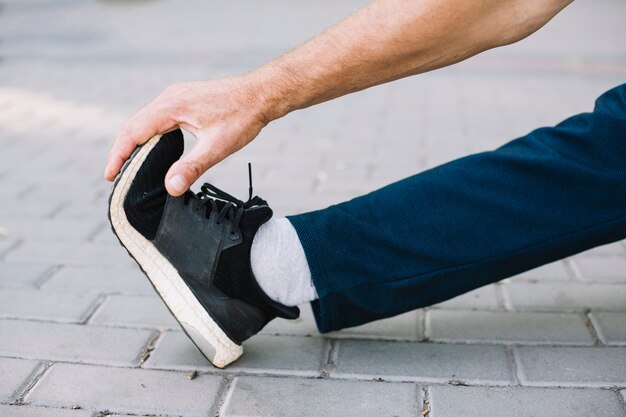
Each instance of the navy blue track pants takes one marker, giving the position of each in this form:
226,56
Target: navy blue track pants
476,220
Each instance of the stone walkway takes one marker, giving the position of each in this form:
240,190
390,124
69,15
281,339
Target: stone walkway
81,332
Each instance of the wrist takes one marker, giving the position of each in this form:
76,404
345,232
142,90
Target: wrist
274,90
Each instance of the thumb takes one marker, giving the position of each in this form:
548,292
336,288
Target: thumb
189,168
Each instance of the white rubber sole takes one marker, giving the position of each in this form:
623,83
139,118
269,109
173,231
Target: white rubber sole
198,324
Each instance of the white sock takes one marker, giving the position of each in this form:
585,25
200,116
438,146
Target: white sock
279,264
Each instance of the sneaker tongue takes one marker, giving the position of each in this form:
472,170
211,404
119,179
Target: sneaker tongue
254,217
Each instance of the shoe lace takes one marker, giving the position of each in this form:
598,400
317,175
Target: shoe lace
233,208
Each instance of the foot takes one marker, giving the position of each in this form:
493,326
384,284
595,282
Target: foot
195,250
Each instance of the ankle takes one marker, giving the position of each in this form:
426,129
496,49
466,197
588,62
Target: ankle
279,264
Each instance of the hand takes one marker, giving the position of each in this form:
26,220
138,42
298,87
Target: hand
223,115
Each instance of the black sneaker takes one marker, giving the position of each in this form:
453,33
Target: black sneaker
195,249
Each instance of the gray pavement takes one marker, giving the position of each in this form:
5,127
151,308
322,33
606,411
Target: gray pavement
81,332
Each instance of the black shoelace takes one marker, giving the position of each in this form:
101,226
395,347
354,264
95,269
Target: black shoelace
233,208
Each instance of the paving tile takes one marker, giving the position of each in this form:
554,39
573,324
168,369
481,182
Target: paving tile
94,211
16,209
507,327
30,411
254,396
406,326
606,269
422,362
483,298
106,237
522,402
71,254
612,249
265,354
45,305
69,342
566,297
282,354
128,280
572,366
556,271
611,327
14,375
49,191
21,275
134,311
122,390
47,230
6,246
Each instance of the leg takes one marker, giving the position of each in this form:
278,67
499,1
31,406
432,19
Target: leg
471,222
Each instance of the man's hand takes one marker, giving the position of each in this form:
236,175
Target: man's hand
223,115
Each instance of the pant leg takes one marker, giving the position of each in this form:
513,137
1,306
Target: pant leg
550,194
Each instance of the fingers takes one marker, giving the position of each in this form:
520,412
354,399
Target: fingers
190,167
210,111
148,122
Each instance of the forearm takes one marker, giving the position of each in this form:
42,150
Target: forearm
387,40
392,39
